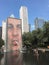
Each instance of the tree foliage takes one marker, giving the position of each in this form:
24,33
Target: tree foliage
1,42
46,33
37,37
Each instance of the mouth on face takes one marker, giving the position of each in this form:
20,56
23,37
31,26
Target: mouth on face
15,43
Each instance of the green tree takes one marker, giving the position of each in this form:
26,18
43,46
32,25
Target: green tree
46,33
1,42
37,37
26,38
34,39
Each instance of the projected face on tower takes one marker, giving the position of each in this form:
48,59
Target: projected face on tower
14,34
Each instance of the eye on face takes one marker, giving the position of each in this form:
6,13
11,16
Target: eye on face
11,26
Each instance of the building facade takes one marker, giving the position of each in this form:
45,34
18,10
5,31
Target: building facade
4,34
39,23
4,31
24,17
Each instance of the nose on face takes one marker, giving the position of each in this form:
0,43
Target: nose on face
15,32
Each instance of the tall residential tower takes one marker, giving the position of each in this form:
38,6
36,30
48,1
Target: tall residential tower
24,17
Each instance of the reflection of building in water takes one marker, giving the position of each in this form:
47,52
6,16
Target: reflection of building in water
13,58
24,17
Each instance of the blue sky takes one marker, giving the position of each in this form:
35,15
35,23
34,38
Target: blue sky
36,8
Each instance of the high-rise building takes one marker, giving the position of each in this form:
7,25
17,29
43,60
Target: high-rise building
39,23
4,26
4,34
4,31
24,17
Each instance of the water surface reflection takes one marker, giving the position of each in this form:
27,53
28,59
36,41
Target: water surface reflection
18,58
12,58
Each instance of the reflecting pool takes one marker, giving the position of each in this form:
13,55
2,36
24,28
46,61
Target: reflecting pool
27,58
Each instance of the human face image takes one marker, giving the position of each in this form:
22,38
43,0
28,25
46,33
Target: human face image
14,34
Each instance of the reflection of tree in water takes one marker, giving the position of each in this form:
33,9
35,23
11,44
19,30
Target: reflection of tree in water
44,58
30,59
17,58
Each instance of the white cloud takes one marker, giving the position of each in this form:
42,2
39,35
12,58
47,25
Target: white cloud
12,15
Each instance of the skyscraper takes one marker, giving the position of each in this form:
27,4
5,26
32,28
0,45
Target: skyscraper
24,17
39,23
4,34
4,31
